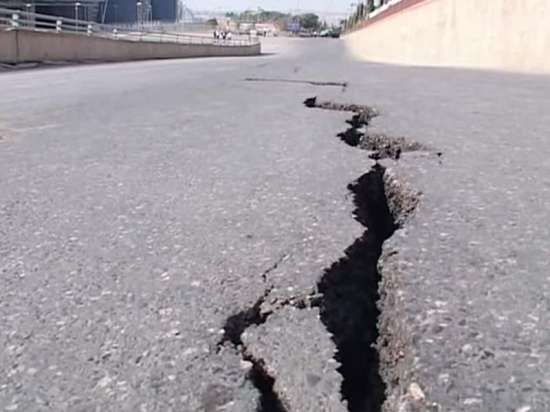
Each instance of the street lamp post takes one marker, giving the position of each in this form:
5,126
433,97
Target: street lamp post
76,6
28,7
140,15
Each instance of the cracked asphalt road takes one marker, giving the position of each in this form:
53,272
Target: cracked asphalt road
142,204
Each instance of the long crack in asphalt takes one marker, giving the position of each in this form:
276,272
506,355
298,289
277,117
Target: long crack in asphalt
349,290
381,145
343,85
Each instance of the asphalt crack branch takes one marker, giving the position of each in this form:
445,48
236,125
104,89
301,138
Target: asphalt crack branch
274,266
362,111
234,327
343,85
264,382
236,324
299,302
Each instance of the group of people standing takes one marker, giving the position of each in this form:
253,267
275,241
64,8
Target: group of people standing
222,35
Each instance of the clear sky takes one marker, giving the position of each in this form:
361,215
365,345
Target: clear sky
280,5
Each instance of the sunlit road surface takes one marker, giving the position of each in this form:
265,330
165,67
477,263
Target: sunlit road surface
144,204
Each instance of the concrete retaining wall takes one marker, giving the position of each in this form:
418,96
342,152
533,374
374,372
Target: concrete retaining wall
8,47
497,34
30,46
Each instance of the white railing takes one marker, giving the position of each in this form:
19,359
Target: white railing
11,19
383,8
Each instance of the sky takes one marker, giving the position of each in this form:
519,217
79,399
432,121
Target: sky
280,5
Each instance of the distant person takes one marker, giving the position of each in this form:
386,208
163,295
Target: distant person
228,36
224,35
215,34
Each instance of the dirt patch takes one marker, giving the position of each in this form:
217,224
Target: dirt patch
385,146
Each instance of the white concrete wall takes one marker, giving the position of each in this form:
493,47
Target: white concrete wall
509,35
8,47
25,46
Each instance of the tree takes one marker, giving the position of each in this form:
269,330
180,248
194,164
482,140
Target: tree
309,21
212,22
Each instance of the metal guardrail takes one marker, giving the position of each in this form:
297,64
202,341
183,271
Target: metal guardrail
11,19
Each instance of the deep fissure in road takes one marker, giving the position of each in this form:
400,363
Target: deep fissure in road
349,290
350,295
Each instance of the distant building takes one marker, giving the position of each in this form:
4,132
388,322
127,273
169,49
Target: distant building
165,10
106,11
245,27
132,11
268,29
228,24
123,11
81,9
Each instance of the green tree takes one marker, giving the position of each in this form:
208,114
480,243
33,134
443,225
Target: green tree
309,21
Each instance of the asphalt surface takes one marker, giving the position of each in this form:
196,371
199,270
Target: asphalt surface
142,205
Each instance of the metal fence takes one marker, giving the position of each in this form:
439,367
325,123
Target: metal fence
11,19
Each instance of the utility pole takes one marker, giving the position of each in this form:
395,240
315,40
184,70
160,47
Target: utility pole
139,16
105,7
